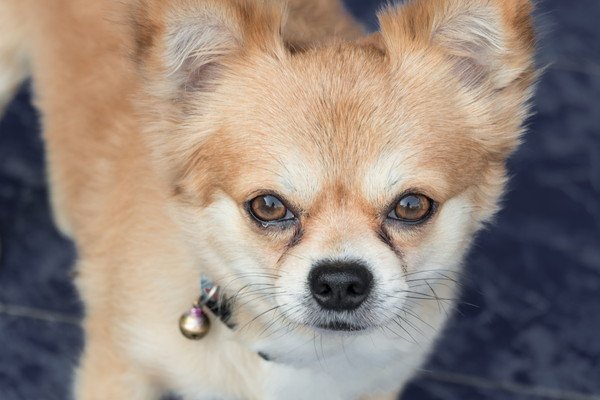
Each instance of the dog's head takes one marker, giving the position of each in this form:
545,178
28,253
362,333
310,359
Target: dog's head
336,188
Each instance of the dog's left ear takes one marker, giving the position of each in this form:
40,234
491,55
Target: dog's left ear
485,47
489,41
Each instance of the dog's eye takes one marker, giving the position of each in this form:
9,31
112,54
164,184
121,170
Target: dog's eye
412,208
269,208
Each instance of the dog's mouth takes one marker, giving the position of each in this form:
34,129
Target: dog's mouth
340,326
336,322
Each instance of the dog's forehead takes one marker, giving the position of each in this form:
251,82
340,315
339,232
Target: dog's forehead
373,173
340,119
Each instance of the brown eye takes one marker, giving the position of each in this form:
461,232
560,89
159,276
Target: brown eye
412,208
269,208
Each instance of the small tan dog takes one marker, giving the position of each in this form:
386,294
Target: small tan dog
329,183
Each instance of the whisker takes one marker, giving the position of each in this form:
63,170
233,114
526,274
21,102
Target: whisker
409,312
429,284
242,291
260,315
411,324
260,297
277,319
396,333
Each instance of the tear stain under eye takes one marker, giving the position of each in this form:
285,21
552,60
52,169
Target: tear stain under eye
383,235
295,240
385,238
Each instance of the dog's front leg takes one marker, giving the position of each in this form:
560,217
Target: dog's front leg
105,373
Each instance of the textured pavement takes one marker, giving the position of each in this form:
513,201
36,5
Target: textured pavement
531,329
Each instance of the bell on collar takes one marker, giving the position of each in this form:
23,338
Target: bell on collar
194,324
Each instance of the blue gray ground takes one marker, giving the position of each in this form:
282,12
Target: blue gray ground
535,276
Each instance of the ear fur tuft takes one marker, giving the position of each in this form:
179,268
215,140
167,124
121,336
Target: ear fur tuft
189,42
490,41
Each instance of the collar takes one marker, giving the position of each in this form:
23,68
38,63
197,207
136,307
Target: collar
212,297
195,324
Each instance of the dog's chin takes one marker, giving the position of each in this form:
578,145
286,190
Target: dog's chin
329,335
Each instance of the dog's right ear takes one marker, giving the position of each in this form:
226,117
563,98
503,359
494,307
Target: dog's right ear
184,49
185,46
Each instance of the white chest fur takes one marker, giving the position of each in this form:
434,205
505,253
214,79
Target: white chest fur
361,365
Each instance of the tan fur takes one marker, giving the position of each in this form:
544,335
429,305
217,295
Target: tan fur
162,118
13,52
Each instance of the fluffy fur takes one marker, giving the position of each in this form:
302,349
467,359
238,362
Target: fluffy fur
163,118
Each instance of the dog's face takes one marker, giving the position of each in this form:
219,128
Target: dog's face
338,188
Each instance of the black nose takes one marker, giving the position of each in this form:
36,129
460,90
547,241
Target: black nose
340,285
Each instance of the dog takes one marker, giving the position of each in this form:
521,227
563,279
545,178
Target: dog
306,188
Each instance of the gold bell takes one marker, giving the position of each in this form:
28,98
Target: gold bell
194,324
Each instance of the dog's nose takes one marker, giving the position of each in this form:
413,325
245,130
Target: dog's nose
340,285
